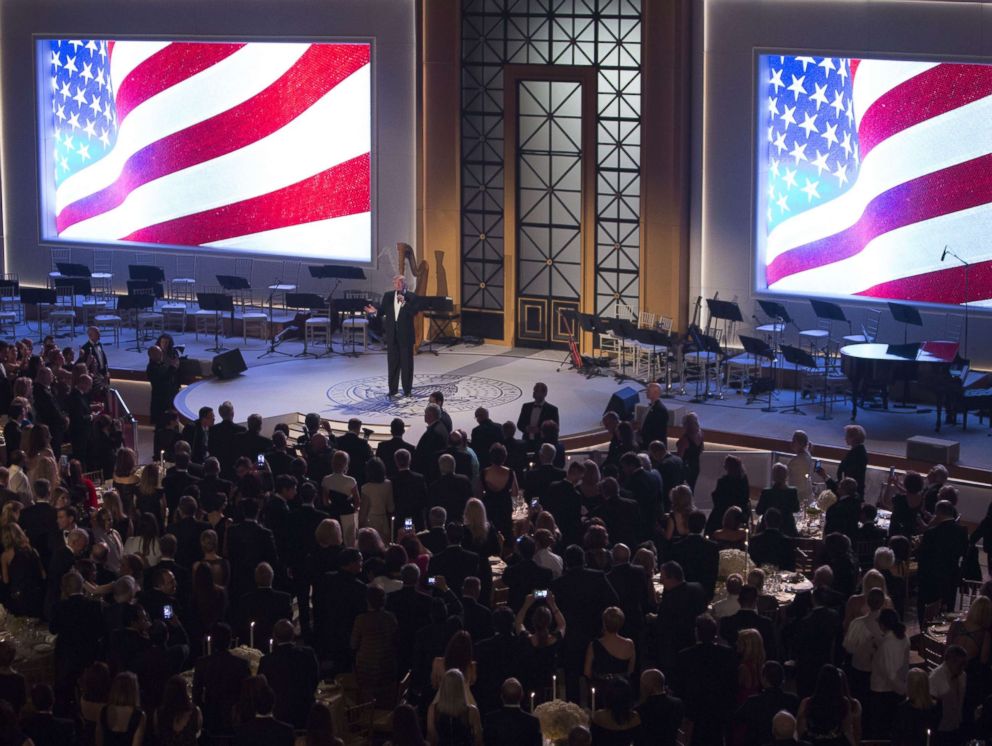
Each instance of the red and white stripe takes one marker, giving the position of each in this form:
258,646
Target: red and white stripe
925,180
260,147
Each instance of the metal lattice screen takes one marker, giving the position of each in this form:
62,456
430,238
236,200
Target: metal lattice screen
605,34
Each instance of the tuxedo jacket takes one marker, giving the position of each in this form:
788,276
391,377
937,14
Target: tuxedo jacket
398,329
97,352
548,412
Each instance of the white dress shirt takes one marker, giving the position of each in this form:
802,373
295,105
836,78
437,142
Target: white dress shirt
550,560
800,474
727,607
950,692
890,665
863,635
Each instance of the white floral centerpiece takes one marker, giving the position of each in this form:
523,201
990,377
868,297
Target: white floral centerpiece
251,655
558,717
732,561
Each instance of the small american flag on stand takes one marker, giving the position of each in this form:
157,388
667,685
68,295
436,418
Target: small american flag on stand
870,168
251,146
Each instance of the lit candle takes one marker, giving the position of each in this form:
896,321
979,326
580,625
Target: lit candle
251,635
161,456
392,526
532,703
208,644
928,737
271,644
554,686
594,699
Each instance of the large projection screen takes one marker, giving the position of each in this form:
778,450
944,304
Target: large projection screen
866,170
253,147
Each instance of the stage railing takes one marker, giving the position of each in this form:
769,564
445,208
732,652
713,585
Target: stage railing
117,409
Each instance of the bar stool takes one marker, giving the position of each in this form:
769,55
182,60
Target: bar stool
207,322
64,312
102,276
182,286
352,325
150,320
259,320
174,314
63,256
317,327
109,321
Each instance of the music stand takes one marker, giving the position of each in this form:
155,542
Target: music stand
136,303
775,310
799,358
147,272
38,297
907,316
759,348
434,307
158,288
218,303
706,345
351,307
308,301
72,269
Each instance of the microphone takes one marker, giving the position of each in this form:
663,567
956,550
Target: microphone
944,255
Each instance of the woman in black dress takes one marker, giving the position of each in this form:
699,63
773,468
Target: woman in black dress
732,490
855,461
690,447
23,574
499,488
540,648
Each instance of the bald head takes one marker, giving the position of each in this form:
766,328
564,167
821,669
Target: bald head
511,692
547,453
783,726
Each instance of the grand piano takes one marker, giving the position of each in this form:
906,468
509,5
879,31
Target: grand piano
936,366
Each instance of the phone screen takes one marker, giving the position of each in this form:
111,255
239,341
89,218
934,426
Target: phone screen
167,611
408,524
431,580
541,594
261,461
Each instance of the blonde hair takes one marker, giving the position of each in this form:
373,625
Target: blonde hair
11,512
451,699
681,496
148,483
980,613
918,689
800,437
756,579
124,691
613,619
751,647
328,533
112,502
873,579
475,519
856,433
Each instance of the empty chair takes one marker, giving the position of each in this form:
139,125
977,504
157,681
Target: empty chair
352,325
102,276
183,284
149,322
63,313
58,256
254,319
109,320
869,328
174,314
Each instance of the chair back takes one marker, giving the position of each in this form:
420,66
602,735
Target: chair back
358,723
931,651
968,592
60,255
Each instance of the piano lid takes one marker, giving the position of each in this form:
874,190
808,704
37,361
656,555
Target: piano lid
942,350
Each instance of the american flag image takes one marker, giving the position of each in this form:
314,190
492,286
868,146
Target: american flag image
868,168
258,147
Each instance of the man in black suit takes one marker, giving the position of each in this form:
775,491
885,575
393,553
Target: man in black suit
669,466
339,597
456,563
758,710
431,443
293,673
661,713
39,523
771,546
222,439
842,517
248,545
320,459
516,450
168,546
411,608
698,556
42,727
46,407
564,501
477,619
621,516
813,641
278,458
451,491
213,483
524,576
456,449
397,311
77,623
217,681
250,443
93,348
705,677
64,557
800,606
437,397
358,449
582,595
484,435
655,424
538,481
533,414
263,606
409,490
301,527
632,586
176,481
80,417
197,434
643,488
747,617
160,595
386,450
434,538
943,545
510,724
187,530
680,604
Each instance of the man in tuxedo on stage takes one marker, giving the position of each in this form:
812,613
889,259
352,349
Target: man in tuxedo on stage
396,312
93,347
533,414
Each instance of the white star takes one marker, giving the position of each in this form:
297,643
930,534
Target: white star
84,152
91,45
780,143
771,191
830,135
56,60
772,106
776,80
771,131
841,174
103,50
95,106
87,72
103,138
783,203
89,129
810,190
842,70
827,64
790,177
64,163
65,91
809,124
850,112
774,167
80,97
821,162
797,86
838,104
74,121
70,65
75,44
99,77
788,115
60,112
819,95
67,141
799,152
846,144
806,62
106,112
